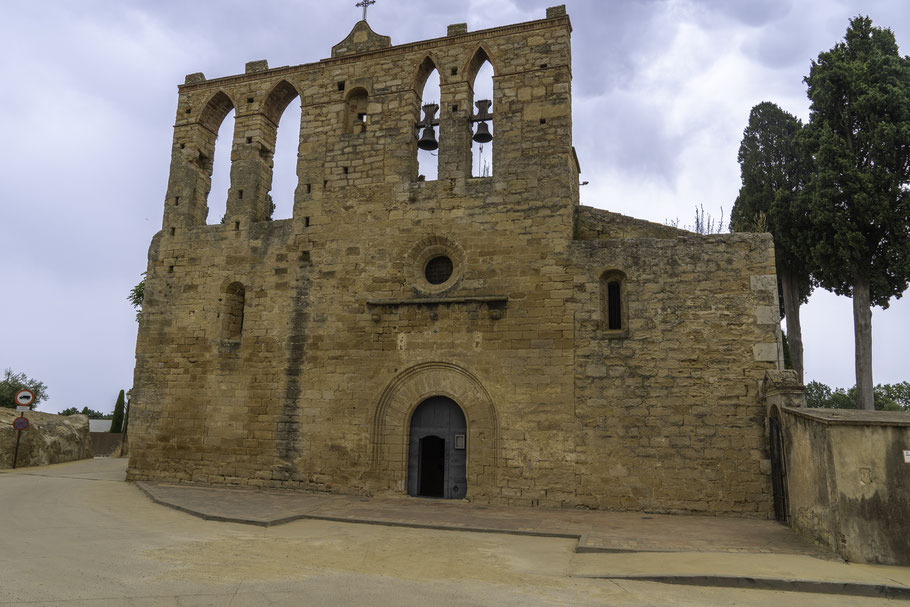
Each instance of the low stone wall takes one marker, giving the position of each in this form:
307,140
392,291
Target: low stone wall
49,439
848,484
106,443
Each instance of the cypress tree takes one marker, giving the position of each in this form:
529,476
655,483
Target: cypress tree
859,130
774,173
117,420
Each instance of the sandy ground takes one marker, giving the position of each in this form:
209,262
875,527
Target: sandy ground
77,535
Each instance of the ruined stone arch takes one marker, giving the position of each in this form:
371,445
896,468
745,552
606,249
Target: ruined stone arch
480,56
272,161
215,111
392,420
211,118
278,100
423,72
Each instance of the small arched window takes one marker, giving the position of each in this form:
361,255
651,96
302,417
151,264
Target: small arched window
232,304
613,314
355,119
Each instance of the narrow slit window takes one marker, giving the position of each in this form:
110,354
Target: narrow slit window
613,313
614,305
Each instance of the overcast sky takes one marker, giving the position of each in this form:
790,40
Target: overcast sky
662,91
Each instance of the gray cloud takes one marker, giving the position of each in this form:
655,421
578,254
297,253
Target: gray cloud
745,12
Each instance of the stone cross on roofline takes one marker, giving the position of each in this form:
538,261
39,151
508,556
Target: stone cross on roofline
365,4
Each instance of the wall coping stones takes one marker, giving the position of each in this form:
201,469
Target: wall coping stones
434,43
853,417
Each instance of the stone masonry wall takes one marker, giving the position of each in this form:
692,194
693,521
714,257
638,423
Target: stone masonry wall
667,410
343,337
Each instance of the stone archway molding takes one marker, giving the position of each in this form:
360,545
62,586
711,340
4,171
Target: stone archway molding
392,420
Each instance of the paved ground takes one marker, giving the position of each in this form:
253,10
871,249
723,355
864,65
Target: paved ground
593,530
77,535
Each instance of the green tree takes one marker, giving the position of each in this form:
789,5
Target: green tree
13,382
788,357
887,397
137,295
860,189
92,414
842,399
894,397
117,420
817,395
69,411
774,173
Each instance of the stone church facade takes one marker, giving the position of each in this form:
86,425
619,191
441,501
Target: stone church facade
468,337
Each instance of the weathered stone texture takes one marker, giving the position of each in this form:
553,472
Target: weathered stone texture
848,483
342,335
49,439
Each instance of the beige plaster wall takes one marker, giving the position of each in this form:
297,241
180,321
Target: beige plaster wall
848,484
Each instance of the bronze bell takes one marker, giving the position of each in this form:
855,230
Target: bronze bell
428,140
483,133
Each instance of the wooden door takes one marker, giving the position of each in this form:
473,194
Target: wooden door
437,450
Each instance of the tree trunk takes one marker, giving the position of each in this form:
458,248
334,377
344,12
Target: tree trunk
790,286
862,333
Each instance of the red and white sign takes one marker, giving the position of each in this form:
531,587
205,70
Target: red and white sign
24,400
20,424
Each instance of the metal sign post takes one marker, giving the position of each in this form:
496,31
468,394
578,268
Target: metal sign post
20,424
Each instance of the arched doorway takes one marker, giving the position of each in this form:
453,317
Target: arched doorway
778,468
437,448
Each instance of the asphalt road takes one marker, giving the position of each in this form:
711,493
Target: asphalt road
77,535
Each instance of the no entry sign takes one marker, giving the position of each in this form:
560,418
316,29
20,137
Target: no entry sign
20,424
